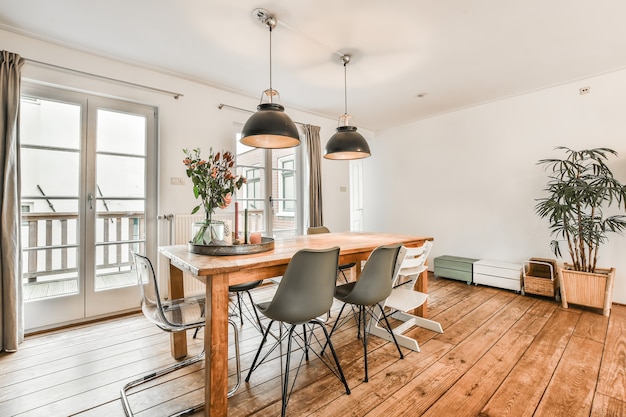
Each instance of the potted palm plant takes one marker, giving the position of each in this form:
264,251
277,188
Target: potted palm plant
580,187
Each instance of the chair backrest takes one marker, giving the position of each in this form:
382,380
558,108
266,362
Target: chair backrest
317,229
415,260
420,250
307,288
151,305
375,282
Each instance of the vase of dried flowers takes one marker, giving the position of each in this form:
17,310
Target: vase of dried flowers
214,184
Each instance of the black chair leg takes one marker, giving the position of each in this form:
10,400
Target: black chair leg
285,398
256,313
306,344
332,330
362,319
239,307
258,352
332,350
286,385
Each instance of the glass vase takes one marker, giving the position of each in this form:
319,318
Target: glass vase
208,232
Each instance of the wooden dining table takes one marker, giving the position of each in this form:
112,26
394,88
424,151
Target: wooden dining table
218,272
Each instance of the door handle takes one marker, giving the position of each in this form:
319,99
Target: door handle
90,200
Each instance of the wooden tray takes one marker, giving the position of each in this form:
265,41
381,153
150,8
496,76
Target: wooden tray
266,245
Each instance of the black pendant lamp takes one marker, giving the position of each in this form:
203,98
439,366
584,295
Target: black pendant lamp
270,127
347,143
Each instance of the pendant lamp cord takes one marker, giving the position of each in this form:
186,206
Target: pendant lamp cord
345,87
271,89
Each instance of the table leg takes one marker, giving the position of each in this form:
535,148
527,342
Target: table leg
178,340
216,346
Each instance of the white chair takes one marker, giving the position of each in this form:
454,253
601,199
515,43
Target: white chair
403,298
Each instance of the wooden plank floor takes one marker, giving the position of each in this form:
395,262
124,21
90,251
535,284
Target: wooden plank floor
501,354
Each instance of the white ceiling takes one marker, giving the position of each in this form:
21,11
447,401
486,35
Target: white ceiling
460,52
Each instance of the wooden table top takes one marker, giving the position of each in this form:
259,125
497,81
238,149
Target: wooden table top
350,243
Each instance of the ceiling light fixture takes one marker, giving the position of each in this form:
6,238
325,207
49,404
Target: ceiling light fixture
270,127
346,143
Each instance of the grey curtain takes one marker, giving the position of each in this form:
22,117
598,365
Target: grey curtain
11,308
312,134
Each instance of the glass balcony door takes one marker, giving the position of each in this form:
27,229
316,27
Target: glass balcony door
87,165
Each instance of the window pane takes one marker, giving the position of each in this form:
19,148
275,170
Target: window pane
121,133
251,196
121,189
37,167
49,123
120,176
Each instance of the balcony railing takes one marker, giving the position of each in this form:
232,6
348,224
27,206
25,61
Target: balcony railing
51,243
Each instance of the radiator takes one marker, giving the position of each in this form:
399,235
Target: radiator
181,235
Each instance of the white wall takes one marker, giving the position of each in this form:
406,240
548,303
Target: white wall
466,178
192,121
470,179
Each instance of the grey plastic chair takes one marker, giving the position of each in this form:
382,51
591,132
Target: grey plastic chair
343,267
304,293
171,316
369,291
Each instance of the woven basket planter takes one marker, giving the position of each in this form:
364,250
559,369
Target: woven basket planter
587,289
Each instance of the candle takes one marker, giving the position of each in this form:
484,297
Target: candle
236,220
255,238
245,226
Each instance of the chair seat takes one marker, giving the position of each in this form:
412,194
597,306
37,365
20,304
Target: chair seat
294,313
185,312
343,291
347,266
246,286
263,306
405,299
